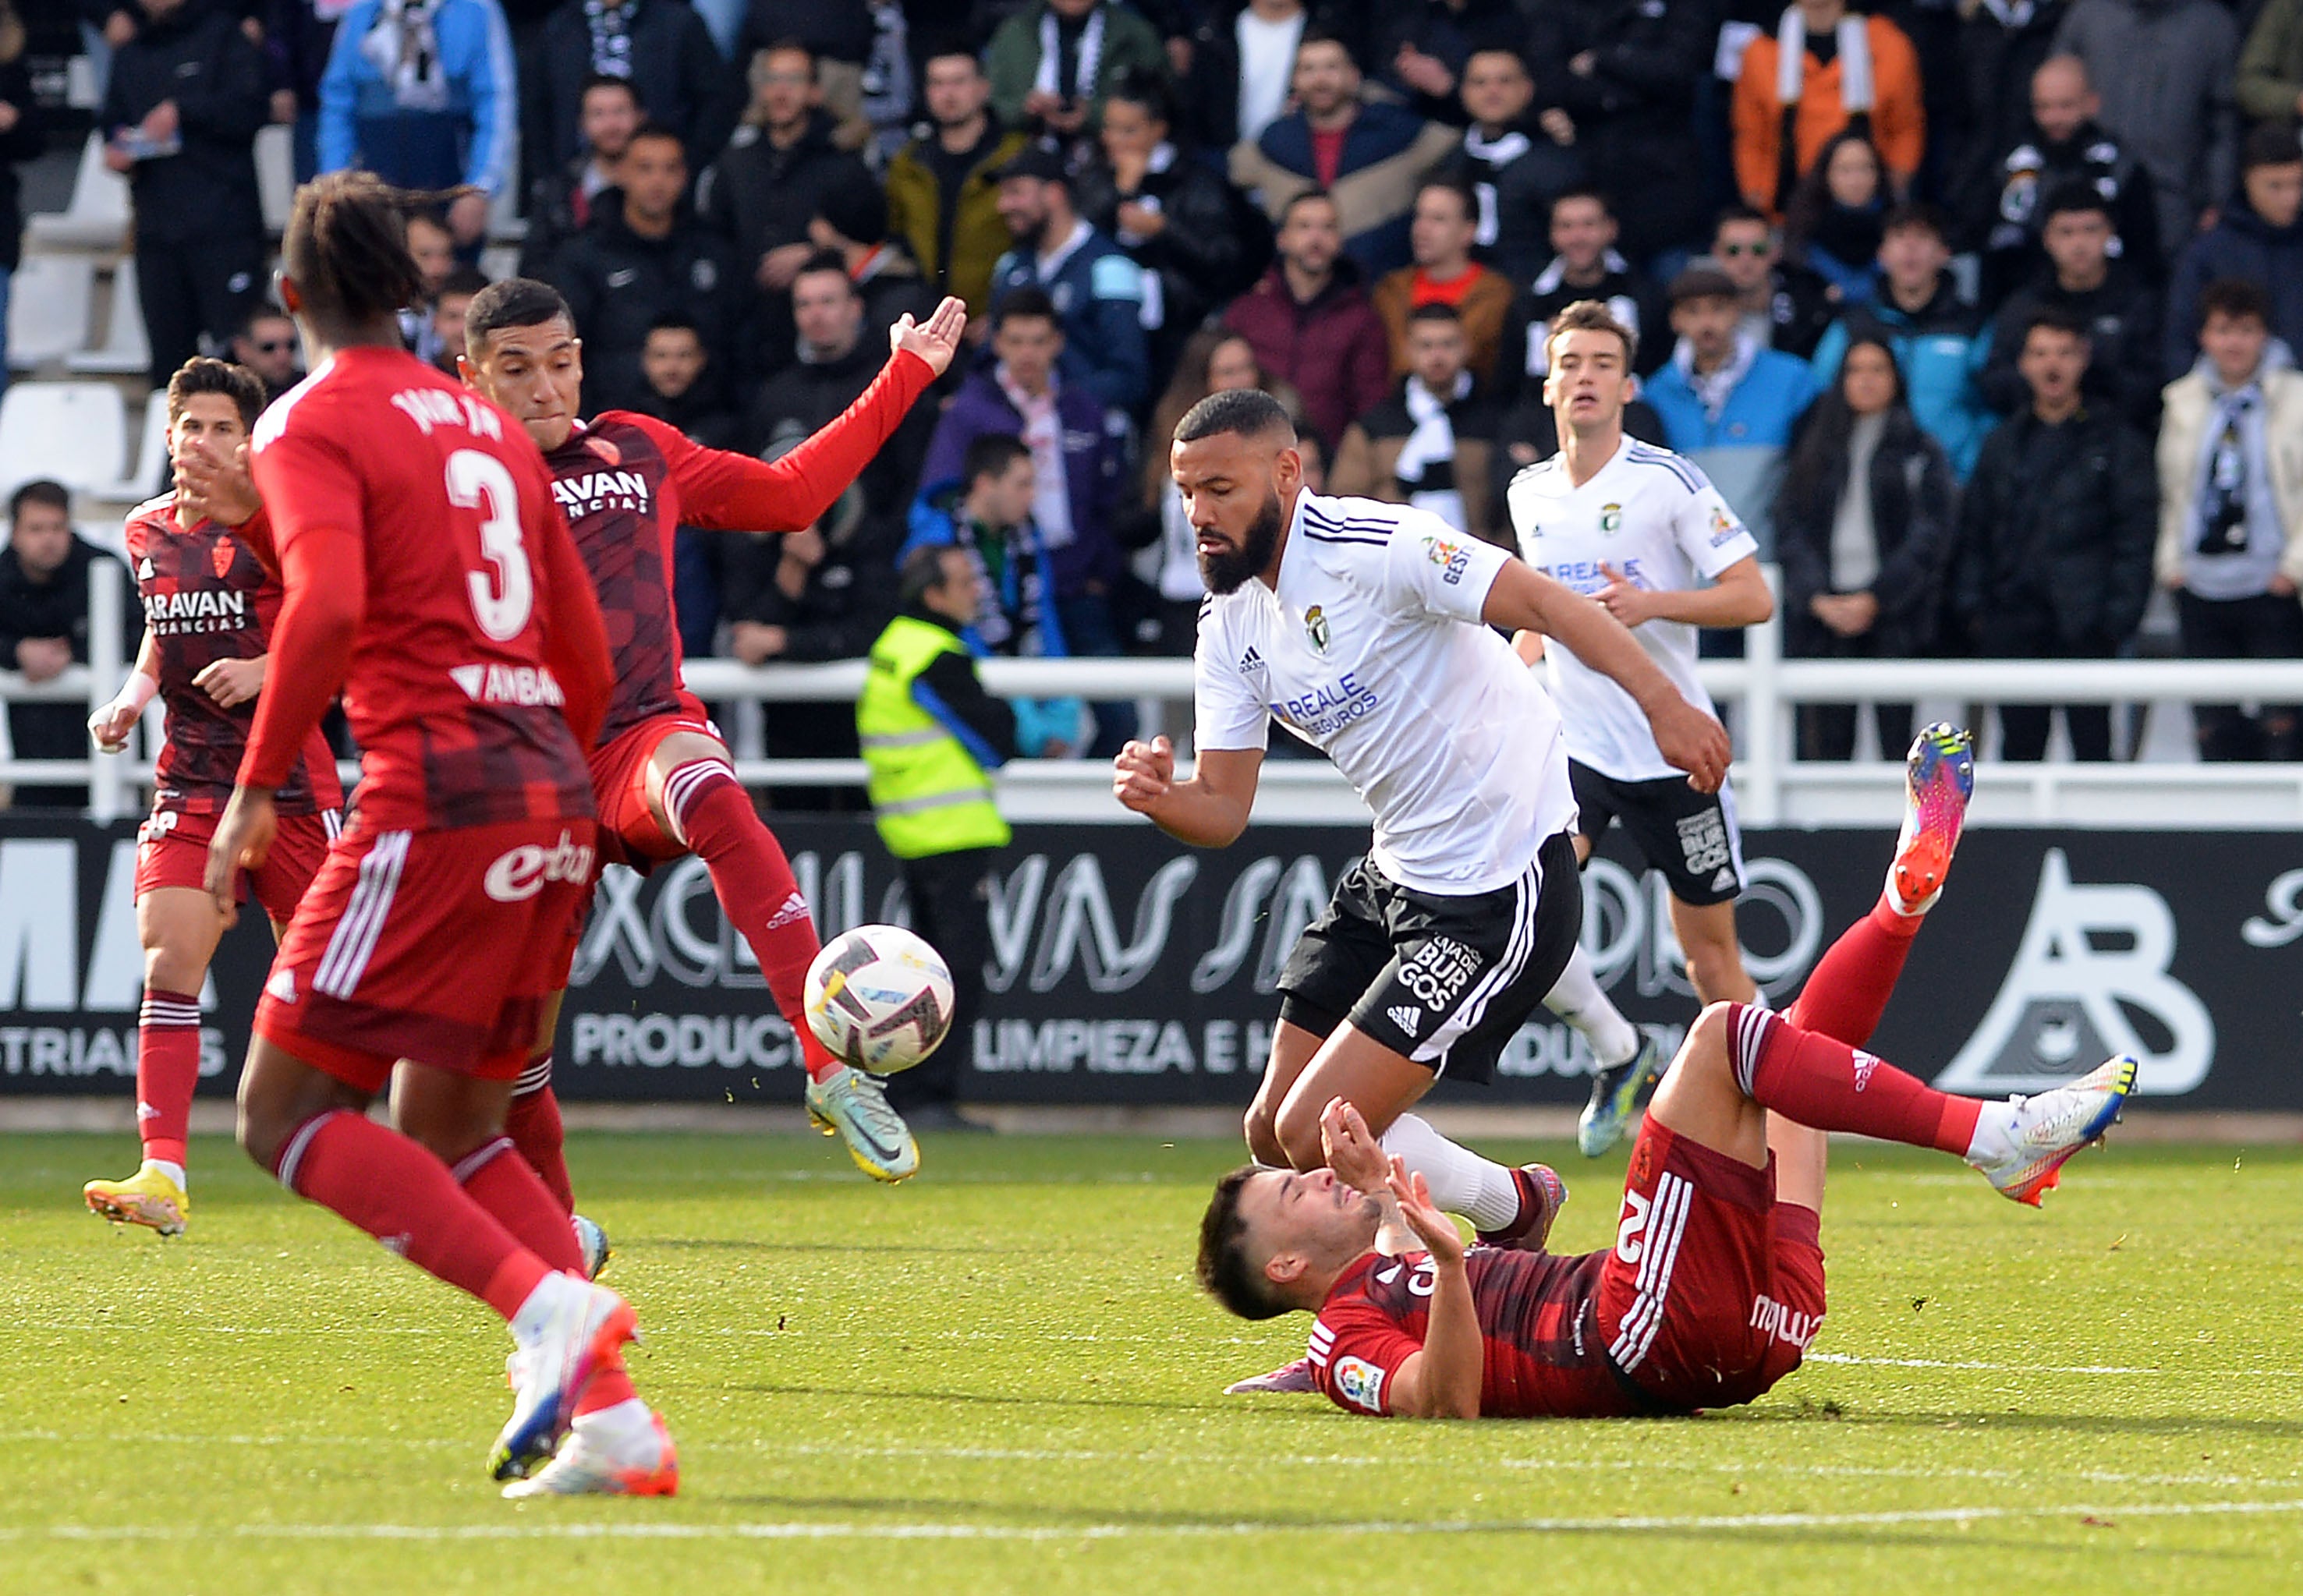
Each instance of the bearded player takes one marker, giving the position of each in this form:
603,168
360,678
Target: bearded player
660,773
209,607
1713,1287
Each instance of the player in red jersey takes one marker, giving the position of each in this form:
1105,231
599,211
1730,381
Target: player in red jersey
1713,1287
429,575
660,771
208,608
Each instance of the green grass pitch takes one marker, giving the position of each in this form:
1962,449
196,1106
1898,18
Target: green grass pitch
998,1378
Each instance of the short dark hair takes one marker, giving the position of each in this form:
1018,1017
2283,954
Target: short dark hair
1032,304
266,312
789,44
2054,318
652,129
675,321
464,280
1589,315
1223,1270
827,260
1287,206
1139,86
943,46
1738,212
515,302
201,374
990,454
2235,297
923,570
1582,192
1436,312
1250,412
2071,196
597,79
41,490
2270,144
1462,193
1911,213
1319,33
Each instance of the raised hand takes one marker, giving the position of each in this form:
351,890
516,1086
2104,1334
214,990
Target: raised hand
1435,1229
1142,773
935,340
1351,1148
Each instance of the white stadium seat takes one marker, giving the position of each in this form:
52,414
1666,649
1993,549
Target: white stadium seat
143,478
75,432
49,302
275,174
126,352
96,218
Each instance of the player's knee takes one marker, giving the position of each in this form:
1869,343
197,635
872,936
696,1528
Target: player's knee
259,1134
167,971
1705,1051
1262,1135
1297,1132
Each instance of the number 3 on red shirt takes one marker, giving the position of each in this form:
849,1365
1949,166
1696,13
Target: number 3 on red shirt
478,481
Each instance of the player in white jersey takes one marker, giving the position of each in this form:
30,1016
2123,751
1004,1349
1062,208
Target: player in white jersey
1364,628
1643,532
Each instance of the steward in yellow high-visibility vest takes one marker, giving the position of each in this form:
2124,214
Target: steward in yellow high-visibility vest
932,736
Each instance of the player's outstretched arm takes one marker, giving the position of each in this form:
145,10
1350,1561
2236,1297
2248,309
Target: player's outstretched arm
1209,810
1442,1381
1524,600
724,491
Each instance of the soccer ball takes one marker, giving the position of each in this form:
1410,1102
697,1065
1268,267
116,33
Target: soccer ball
880,999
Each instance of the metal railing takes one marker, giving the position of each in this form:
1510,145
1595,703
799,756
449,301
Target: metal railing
1761,693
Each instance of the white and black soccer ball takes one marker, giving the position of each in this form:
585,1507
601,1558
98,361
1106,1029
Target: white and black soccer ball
880,999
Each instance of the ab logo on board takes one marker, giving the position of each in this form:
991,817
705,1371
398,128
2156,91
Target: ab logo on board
2064,1006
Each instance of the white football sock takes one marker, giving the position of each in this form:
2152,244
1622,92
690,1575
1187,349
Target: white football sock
1480,1189
1576,997
625,1427
174,1172
1992,1127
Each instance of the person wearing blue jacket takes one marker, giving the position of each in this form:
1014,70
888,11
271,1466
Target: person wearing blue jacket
1096,288
985,512
1942,342
1726,402
424,93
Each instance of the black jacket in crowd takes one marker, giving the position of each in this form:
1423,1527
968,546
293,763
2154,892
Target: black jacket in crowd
1913,519
1634,115
2056,530
617,282
835,29
1629,294
681,79
58,607
2245,246
2122,316
1799,309
763,198
20,142
198,57
1213,246
1449,30
2004,208
1514,178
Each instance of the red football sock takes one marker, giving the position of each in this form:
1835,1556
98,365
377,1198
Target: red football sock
388,1185
167,1068
510,1190
1827,1084
712,814
532,1121
1848,989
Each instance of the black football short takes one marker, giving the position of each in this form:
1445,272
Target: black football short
1443,982
1691,837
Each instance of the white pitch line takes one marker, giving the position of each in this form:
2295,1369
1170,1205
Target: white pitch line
1850,1358
835,1530
1741,1467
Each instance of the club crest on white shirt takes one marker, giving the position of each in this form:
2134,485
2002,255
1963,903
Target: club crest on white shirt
1315,627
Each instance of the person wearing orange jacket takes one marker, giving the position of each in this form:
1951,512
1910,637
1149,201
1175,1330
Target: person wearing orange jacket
1854,71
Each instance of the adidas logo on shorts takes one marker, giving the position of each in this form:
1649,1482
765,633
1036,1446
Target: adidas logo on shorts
1407,1017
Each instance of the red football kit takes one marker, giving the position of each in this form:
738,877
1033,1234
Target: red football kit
1709,1295
206,597
429,574
627,484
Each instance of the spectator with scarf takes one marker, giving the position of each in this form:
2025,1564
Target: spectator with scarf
1428,444
2231,511
424,94
1825,70
1052,63
661,47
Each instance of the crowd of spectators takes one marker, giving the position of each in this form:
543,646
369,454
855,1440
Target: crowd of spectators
1983,317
